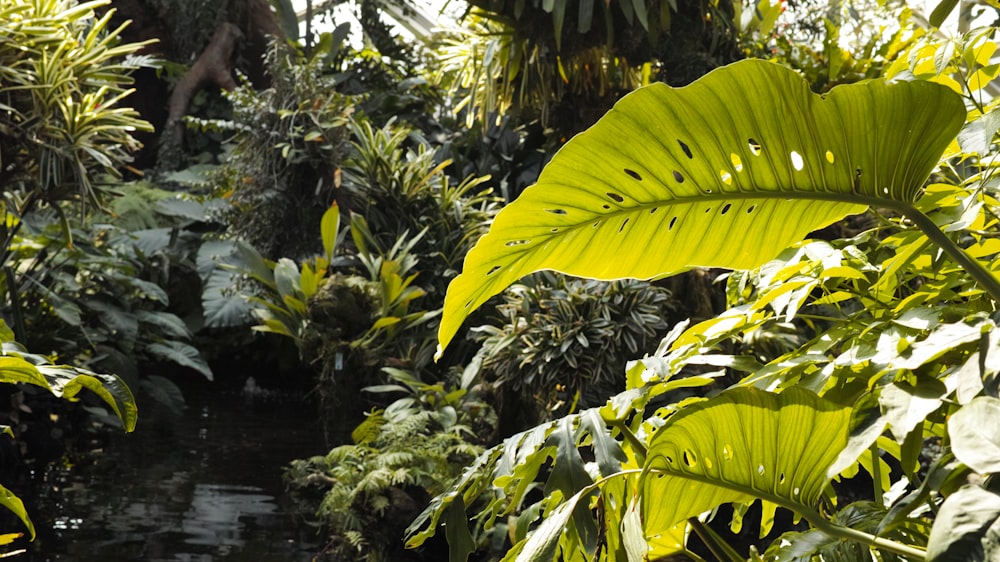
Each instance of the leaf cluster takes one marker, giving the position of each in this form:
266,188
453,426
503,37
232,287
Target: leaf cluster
561,337
894,365
62,74
400,456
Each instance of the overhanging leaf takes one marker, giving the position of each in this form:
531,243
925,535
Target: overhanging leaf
739,446
66,382
15,505
725,172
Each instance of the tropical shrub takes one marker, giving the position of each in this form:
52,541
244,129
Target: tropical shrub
400,457
99,302
829,44
62,72
900,320
289,144
561,342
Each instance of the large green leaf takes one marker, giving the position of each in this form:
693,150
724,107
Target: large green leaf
744,444
66,382
725,172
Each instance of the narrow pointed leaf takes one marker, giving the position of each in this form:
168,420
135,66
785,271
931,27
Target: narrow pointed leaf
725,172
742,445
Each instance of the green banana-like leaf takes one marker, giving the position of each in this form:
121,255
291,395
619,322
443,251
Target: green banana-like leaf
66,382
742,445
725,172
16,506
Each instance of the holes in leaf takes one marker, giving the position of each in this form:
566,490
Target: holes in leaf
673,221
468,304
737,161
556,211
606,206
829,157
653,210
690,459
885,191
781,478
635,175
678,177
857,179
511,243
493,270
727,452
622,227
554,230
708,210
755,147
616,197
797,161
726,207
726,177
670,460
760,469
596,224
751,208
684,147
796,491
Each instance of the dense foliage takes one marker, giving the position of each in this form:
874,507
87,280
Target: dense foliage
851,378
900,324
63,74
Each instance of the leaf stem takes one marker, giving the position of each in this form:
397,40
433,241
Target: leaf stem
877,476
840,531
635,442
716,544
986,280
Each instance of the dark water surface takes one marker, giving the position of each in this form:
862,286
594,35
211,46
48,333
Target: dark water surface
202,487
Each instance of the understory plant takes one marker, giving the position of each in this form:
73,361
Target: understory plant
400,456
63,73
896,378
560,343
363,309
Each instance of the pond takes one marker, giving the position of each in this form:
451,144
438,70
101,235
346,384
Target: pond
198,487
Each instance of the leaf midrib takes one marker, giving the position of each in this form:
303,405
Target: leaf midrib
803,509
852,198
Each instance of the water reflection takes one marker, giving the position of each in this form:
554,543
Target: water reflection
203,487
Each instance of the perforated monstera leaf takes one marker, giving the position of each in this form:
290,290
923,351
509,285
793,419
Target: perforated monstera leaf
725,172
742,445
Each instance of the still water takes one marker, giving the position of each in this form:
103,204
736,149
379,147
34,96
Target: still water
204,486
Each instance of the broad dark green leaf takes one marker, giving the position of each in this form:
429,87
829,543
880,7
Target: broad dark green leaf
221,304
742,445
725,172
169,323
182,354
457,532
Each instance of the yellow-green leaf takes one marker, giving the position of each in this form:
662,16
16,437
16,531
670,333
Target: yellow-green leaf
742,445
725,172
